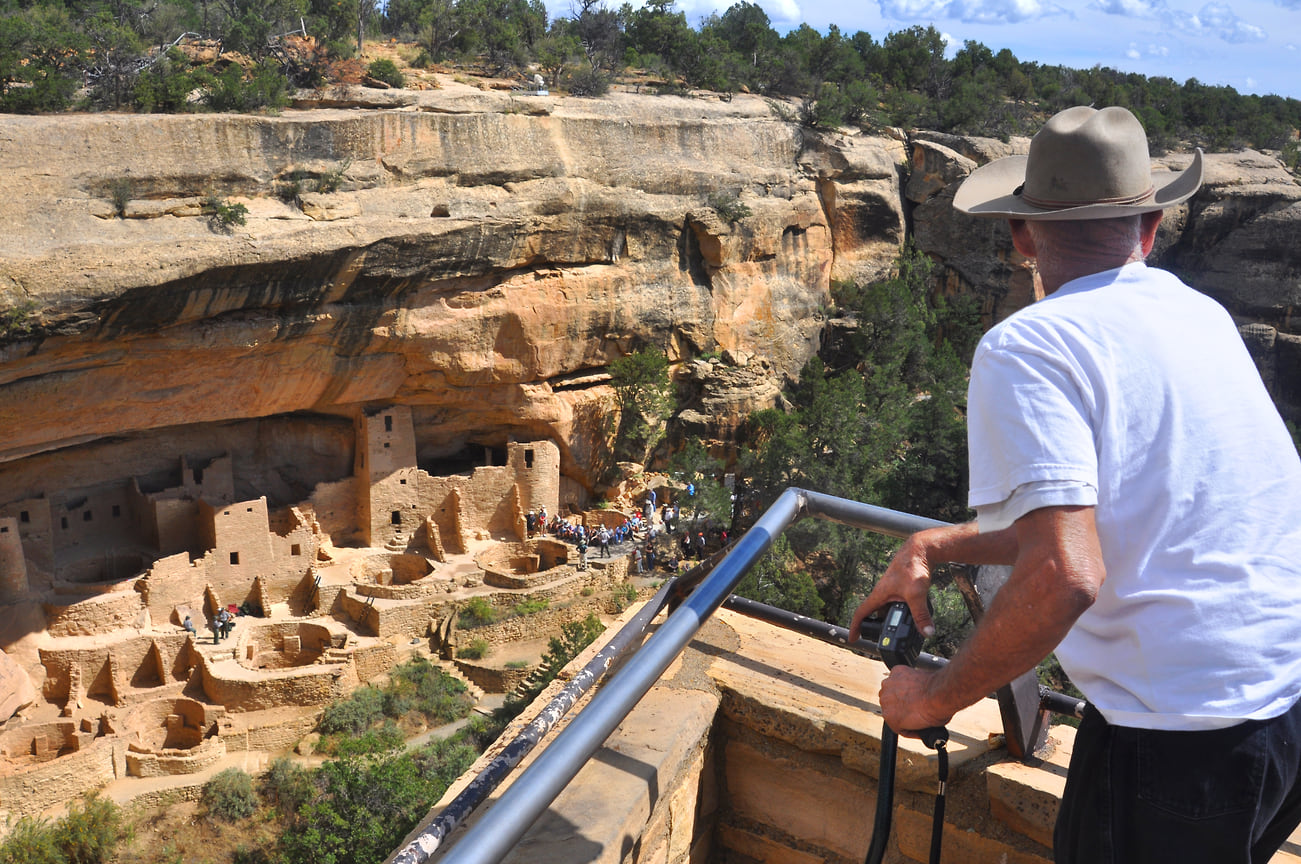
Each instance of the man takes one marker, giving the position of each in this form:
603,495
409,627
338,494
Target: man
1128,463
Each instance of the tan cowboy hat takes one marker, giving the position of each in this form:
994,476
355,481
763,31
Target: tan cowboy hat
1083,164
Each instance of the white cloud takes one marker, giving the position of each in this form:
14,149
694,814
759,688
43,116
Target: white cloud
1132,8
782,10
909,10
968,11
1133,53
1218,19
995,11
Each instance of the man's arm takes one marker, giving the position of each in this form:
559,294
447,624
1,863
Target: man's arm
1055,579
908,577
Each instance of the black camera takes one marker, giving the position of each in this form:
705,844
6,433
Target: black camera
900,640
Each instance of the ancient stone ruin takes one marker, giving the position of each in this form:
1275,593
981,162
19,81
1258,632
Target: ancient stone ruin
102,680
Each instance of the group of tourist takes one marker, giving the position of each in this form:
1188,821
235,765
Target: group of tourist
220,625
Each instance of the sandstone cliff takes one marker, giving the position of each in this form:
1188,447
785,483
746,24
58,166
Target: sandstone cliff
482,259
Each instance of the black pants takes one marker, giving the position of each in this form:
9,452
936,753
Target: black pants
1133,796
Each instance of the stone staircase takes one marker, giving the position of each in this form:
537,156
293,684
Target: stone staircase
450,668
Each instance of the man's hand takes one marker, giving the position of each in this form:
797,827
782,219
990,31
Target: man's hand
908,578
905,704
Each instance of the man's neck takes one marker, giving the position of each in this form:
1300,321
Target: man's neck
1068,270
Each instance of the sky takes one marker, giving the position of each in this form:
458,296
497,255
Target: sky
1253,46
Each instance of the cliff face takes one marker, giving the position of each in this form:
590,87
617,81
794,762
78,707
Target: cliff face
480,266
482,260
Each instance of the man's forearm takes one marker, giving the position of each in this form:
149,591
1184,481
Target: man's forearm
964,544
1054,580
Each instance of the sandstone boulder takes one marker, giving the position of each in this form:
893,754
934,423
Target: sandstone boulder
16,690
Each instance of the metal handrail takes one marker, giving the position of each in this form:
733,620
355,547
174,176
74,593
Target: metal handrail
497,832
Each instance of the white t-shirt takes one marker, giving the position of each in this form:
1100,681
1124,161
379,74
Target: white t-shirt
1129,390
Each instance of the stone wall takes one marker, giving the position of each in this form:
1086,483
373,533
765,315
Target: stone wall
29,792
171,762
374,660
492,679
134,663
98,615
309,686
271,731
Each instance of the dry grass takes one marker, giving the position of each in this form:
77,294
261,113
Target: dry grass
183,834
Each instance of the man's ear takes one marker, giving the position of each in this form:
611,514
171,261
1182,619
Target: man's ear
1021,238
1147,230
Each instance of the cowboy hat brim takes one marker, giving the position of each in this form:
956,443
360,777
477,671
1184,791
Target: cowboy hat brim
991,191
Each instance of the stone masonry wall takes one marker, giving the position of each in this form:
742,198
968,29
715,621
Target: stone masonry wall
31,791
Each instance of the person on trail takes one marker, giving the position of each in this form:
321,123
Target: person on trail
1128,463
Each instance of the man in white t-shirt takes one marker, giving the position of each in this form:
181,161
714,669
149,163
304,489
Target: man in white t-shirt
1128,463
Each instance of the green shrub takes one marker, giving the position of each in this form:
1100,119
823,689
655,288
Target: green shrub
287,785
385,70
381,739
330,181
532,606
32,841
476,649
90,831
517,664
587,81
222,214
588,591
120,192
166,86
477,612
229,796
624,597
728,207
18,320
289,188
356,714
264,87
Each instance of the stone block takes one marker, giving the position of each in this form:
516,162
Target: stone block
797,799
912,835
1026,797
762,849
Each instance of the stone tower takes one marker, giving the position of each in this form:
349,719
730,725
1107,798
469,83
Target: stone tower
386,468
536,465
13,566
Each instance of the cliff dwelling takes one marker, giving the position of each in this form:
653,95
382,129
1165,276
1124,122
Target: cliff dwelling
103,680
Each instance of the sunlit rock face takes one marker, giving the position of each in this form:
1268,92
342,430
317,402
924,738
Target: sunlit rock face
477,263
480,258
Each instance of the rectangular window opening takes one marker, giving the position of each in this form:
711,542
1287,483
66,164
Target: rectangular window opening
528,458
388,422
86,516
63,522
234,557
296,549
386,445
396,518
117,510
24,516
